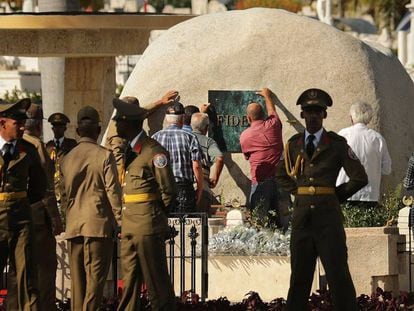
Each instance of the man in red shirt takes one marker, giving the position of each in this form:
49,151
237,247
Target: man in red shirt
262,145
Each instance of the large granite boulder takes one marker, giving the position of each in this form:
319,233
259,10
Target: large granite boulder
250,49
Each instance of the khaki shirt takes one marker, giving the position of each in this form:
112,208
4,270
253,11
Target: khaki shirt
48,168
331,154
147,171
92,189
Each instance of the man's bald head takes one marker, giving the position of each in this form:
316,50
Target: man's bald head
255,112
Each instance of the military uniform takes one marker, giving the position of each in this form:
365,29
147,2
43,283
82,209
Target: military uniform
42,214
58,148
23,182
317,228
148,191
93,212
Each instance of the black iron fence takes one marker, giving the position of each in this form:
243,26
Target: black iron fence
192,228
187,255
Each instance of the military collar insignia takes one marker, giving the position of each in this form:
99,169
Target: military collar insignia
137,148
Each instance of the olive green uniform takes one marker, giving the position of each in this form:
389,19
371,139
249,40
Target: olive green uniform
22,183
57,154
44,239
317,228
149,190
93,213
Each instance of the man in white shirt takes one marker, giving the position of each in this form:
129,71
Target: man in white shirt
372,151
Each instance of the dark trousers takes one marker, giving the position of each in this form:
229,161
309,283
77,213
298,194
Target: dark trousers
143,259
186,198
23,295
45,262
89,260
265,197
329,243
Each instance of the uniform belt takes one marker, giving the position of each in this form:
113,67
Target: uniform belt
140,197
9,196
315,190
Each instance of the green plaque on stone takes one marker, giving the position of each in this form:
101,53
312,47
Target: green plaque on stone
231,120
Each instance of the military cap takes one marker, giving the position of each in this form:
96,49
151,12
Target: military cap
58,118
35,112
88,113
314,98
130,100
176,108
16,111
126,110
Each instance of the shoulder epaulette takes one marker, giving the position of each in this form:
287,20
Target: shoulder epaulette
336,136
295,137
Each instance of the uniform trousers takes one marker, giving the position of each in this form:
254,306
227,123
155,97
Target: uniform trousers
143,259
89,260
23,295
46,264
45,261
327,241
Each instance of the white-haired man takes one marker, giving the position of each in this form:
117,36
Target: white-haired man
211,155
185,157
371,149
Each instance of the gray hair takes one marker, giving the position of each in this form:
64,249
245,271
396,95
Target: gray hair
361,112
199,121
174,118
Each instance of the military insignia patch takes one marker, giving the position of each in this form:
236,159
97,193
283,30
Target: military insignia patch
160,160
313,94
352,154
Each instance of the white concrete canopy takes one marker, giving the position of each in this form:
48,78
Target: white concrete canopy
80,35
251,49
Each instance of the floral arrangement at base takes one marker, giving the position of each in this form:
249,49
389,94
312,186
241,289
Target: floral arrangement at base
249,241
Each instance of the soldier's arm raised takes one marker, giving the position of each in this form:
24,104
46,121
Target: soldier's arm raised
166,99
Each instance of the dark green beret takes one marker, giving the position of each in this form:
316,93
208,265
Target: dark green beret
16,111
314,98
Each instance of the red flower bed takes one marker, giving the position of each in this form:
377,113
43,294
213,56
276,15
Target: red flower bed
320,301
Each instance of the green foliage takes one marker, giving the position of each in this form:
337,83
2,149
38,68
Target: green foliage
362,216
94,5
385,213
159,4
15,95
262,218
387,13
391,200
119,88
